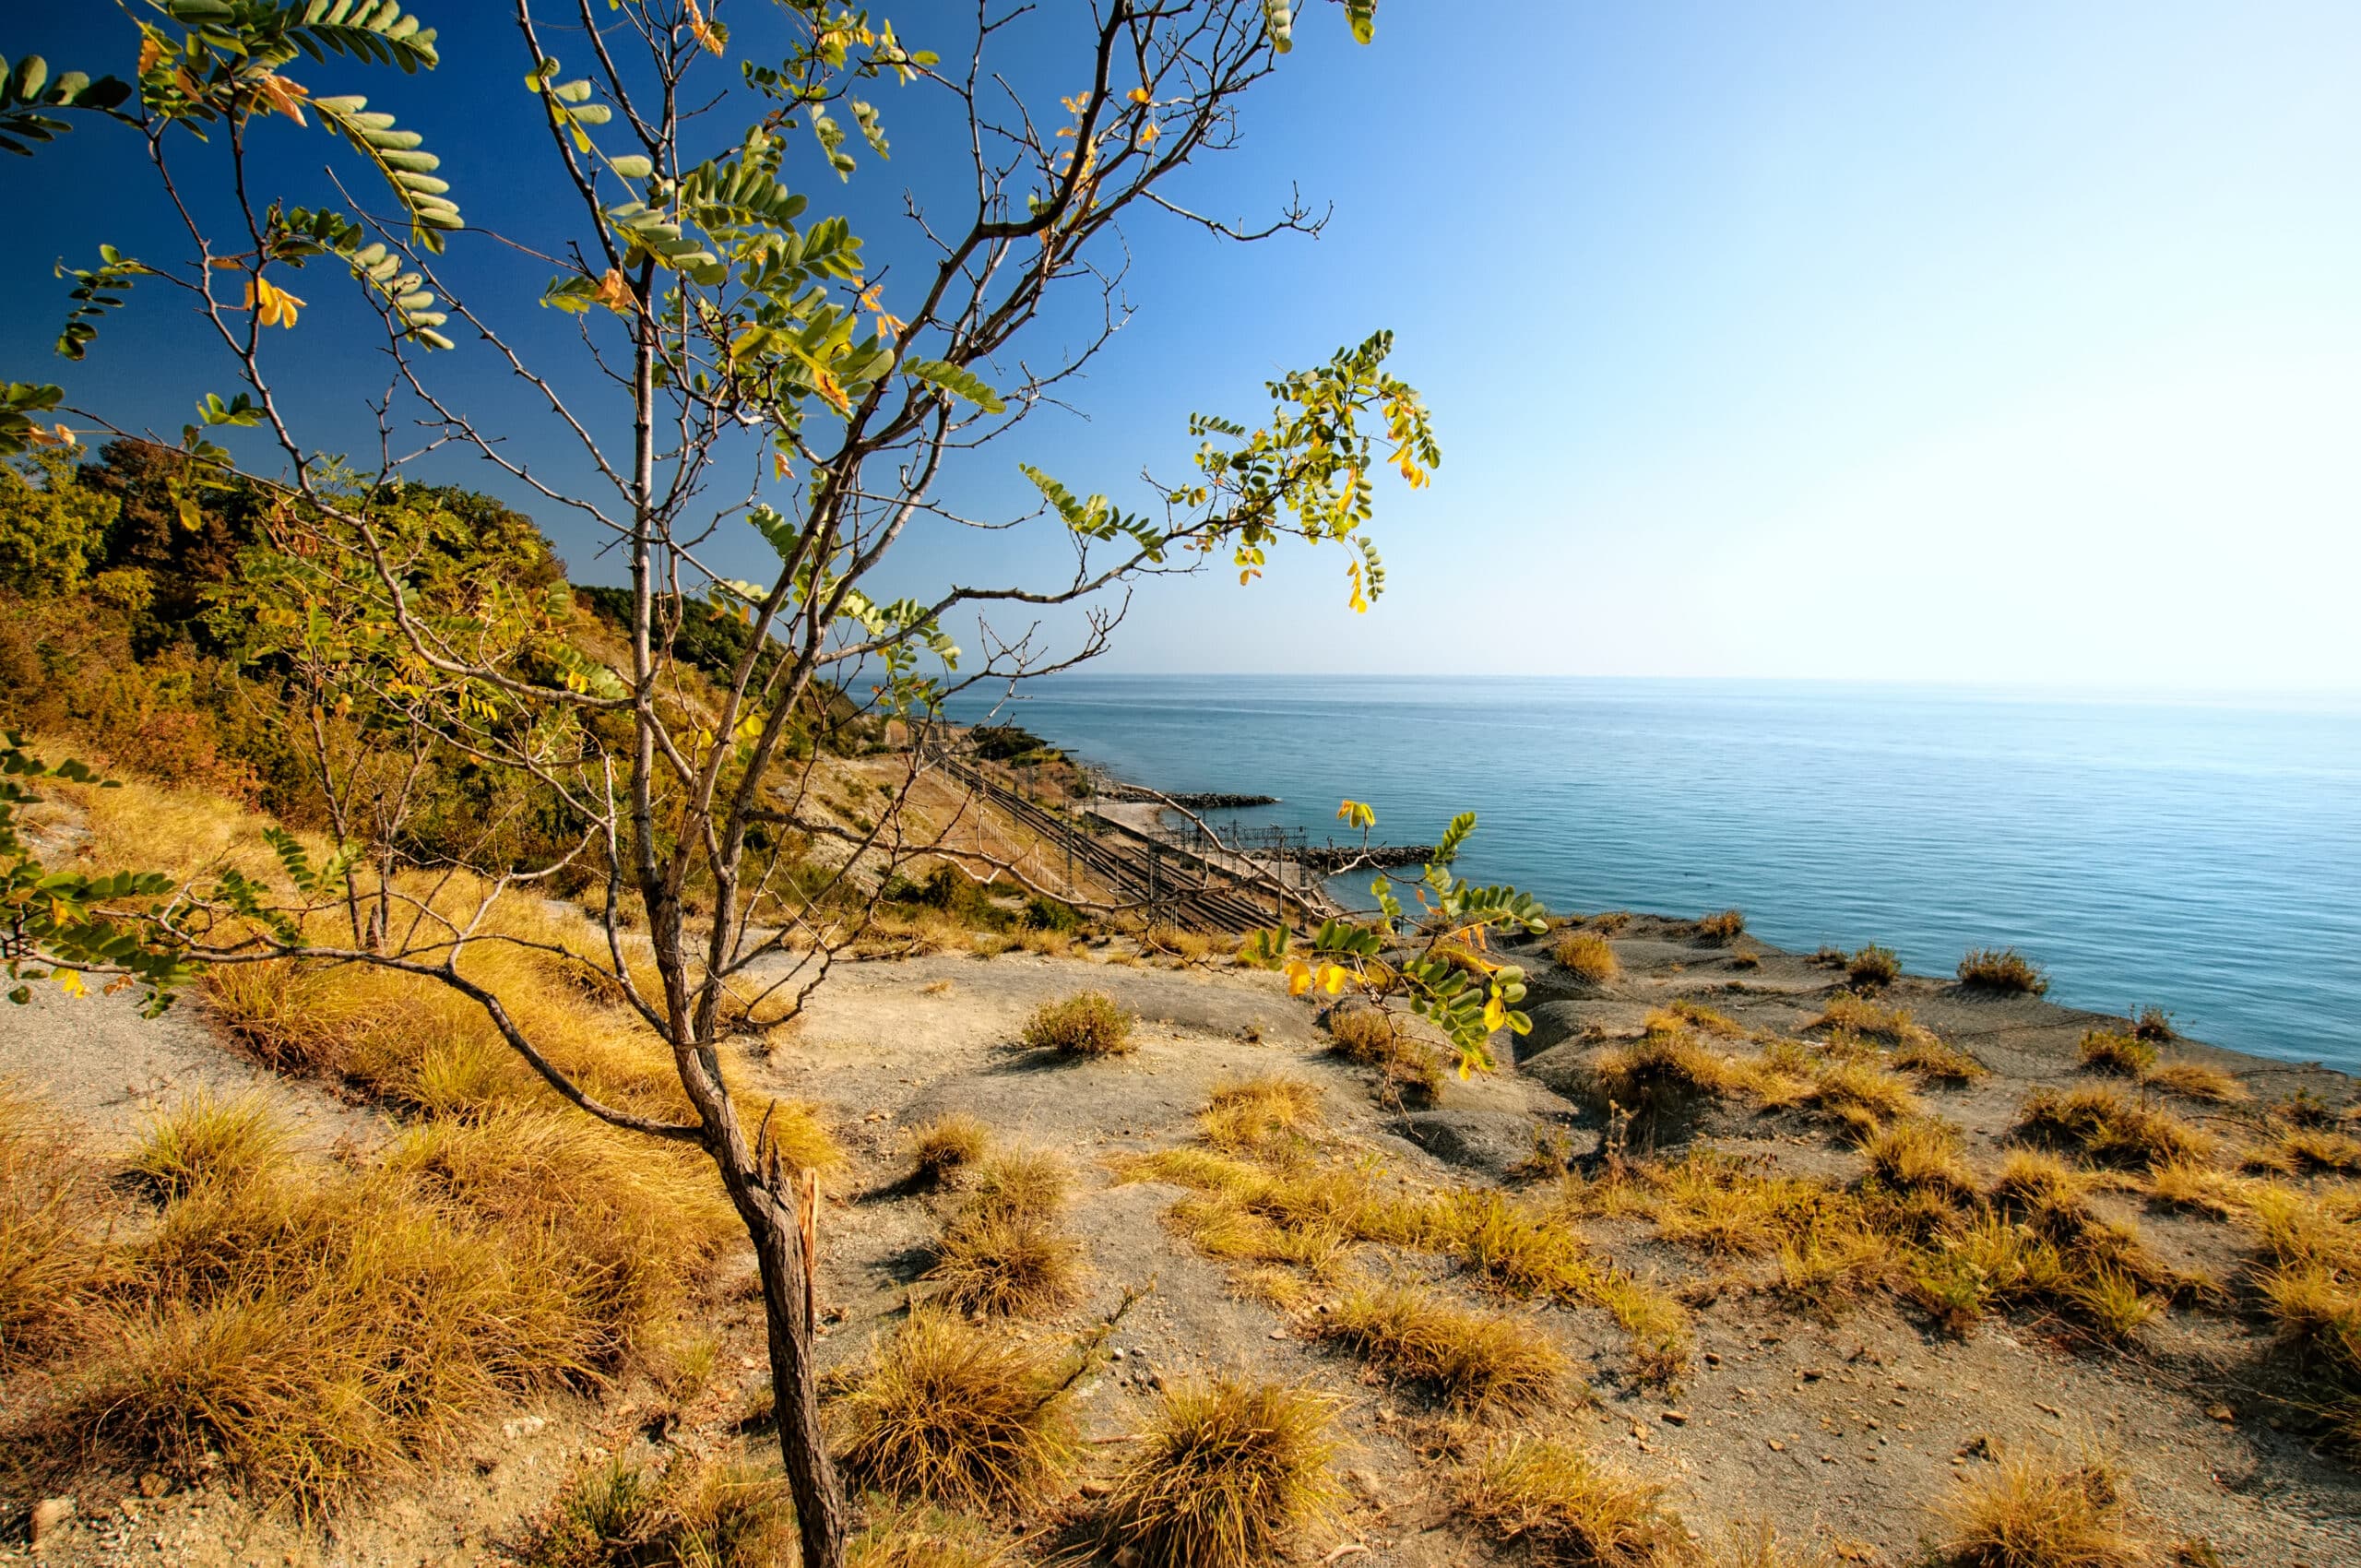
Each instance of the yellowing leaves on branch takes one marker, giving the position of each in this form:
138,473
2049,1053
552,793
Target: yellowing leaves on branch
273,305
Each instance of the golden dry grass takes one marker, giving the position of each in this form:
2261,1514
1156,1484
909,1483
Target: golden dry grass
1002,1264
1873,966
1248,1115
950,1142
2002,970
50,1258
2299,1151
2192,1081
1699,1016
1370,1036
950,1414
2105,1051
1867,1017
1936,1062
1085,1024
917,1536
1723,926
697,1512
2111,1128
1921,1153
320,1327
1569,1511
1484,1361
1224,1476
1020,1181
1586,955
2044,1512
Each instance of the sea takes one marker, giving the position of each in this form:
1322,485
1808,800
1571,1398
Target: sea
2198,853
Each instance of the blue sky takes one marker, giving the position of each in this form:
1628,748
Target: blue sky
2008,343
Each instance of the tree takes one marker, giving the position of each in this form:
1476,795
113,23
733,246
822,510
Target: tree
733,343
51,528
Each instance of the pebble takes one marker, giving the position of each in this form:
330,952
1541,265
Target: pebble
1675,1417
523,1426
50,1515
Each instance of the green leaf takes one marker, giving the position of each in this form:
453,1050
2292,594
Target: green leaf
407,171
955,379
632,166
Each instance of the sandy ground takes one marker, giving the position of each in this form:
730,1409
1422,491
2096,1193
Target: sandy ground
1843,1431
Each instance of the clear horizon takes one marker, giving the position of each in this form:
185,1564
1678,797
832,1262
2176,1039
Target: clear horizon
2014,347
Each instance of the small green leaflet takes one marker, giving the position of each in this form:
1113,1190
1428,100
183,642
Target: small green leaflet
957,379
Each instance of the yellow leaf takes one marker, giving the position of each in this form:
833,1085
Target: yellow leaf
71,983
1495,1013
1298,977
779,465
1140,95
1333,977
273,306
704,31
151,51
280,96
1462,1071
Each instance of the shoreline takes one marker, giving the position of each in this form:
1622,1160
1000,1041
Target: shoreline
2240,1061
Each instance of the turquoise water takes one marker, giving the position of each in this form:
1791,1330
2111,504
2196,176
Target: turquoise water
2205,856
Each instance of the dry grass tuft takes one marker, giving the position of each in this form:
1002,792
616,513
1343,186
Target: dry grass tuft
1859,1092
1697,1015
1371,1036
1569,1511
949,1143
2002,970
1919,1155
1933,1060
958,1415
708,1512
1251,1114
2302,1151
1586,955
1474,1360
2192,1081
2103,1050
1853,1014
1611,920
1020,1181
1724,926
2111,1128
923,1538
1003,1264
207,1142
49,1260
1873,966
1225,1474
2153,1025
2043,1513
1085,1024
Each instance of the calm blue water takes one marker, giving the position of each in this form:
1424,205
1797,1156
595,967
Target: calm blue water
2204,856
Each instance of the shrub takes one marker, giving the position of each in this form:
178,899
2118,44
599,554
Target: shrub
2107,1051
1587,957
947,1144
49,1260
1873,966
2043,1512
1722,927
1085,1024
1827,957
1042,913
2002,970
954,1415
1745,961
2152,1025
1476,1359
1569,1510
1224,1475
1611,920
2110,1128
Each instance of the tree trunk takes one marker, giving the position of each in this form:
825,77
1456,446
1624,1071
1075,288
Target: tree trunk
795,1394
